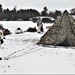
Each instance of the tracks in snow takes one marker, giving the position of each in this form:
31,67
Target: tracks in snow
22,52
28,45
29,48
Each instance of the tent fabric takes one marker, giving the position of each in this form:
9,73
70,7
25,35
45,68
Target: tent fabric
62,33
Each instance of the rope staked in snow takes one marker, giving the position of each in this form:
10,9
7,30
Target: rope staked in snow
11,56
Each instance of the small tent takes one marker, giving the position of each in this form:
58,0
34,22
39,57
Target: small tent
62,33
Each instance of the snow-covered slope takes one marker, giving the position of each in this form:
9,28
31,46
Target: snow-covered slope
21,54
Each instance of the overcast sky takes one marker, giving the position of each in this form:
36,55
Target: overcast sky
38,4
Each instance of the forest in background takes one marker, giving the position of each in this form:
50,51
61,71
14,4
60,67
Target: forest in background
26,14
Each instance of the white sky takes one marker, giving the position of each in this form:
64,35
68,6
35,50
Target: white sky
39,4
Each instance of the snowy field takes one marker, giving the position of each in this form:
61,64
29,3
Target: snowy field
26,57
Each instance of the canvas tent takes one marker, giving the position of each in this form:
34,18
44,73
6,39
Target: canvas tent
62,33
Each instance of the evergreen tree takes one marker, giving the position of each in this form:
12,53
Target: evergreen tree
44,12
0,8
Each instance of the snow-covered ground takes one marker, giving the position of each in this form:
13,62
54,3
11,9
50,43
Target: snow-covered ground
26,57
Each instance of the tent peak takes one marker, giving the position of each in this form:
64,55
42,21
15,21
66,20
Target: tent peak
65,12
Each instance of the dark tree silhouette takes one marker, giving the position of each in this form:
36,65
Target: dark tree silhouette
45,9
44,12
0,8
55,14
0,12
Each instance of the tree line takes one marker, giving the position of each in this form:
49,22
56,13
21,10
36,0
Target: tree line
25,14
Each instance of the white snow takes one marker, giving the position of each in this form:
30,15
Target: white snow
26,57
